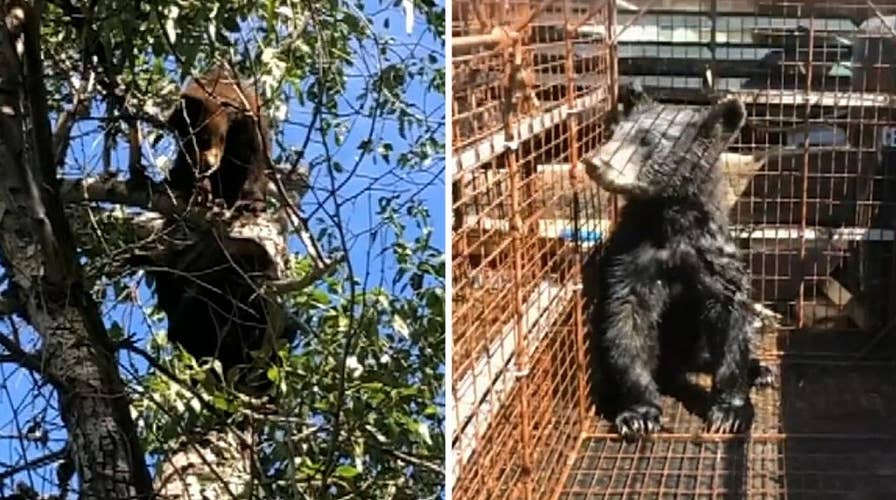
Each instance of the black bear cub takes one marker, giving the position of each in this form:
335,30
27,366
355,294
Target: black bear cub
209,288
671,287
224,142
215,309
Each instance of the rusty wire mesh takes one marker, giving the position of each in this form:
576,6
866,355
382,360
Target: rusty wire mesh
813,178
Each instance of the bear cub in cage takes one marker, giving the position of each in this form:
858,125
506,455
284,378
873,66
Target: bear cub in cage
672,293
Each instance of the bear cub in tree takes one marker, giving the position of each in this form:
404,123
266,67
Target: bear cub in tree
672,292
215,311
224,142
207,289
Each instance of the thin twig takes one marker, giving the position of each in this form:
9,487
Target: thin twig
29,361
290,286
11,470
431,465
159,367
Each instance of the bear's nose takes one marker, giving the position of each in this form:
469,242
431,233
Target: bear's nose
211,158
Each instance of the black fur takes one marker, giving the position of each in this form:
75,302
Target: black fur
669,279
209,292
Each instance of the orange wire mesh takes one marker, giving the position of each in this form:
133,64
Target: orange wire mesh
528,102
812,178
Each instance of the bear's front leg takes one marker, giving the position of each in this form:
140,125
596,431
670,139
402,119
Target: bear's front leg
726,326
631,350
252,196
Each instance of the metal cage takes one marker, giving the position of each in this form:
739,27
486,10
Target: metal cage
812,176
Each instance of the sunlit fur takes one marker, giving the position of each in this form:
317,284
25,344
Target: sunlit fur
224,142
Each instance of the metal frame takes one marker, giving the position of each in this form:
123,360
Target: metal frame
815,224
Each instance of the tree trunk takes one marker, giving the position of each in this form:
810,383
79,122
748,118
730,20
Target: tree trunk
76,355
218,465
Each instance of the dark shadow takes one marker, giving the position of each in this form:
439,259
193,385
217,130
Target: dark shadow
693,397
839,419
736,459
591,295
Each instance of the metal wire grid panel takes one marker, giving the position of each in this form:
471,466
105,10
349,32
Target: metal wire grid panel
814,186
532,83
831,468
812,183
812,179
825,433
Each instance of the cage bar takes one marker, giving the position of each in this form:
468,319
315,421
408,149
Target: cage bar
812,180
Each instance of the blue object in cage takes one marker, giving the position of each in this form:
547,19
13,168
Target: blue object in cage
584,235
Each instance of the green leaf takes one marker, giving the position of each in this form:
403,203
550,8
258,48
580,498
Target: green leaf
222,403
423,432
347,471
116,332
274,374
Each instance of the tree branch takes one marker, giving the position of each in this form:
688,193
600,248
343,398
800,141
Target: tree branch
156,196
80,107
12,470
27,360
153,196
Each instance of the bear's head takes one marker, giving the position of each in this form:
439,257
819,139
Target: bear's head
210,107
661,151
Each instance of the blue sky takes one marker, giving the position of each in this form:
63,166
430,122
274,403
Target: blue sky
358,221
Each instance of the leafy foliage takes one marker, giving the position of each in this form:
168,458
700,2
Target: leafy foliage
360,103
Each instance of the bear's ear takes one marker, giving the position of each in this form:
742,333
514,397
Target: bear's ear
186,115
724,120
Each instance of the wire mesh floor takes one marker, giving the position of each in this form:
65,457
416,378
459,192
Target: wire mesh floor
825,430
795,467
